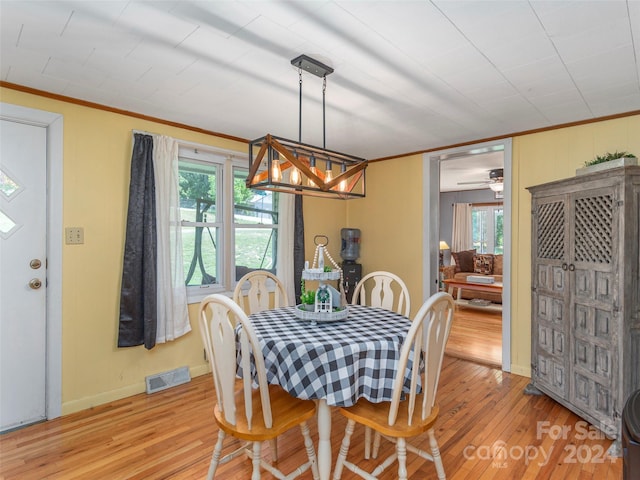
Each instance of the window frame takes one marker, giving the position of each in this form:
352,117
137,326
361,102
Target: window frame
227,161
491,209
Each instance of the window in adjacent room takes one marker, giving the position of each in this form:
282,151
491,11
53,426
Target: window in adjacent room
227,229
488,233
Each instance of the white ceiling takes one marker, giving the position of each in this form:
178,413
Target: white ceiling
469,171
409,75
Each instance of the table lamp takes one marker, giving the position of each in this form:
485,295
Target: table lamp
443,247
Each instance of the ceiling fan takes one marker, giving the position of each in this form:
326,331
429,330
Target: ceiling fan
495,180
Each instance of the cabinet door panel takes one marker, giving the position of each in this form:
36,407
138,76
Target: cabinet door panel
593,227
592,396
602,325
551,229
551,375
549,309
602,359
545,338
604,291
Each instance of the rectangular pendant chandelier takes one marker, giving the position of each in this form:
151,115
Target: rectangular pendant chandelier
281,165
286,166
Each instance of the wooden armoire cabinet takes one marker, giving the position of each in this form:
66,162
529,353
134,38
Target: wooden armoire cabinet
585,325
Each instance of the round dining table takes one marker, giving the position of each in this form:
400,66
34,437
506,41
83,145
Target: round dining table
333,362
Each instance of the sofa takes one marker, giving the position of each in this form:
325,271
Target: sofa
468,263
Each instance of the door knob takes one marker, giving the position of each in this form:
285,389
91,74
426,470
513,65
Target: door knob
35,264
35,283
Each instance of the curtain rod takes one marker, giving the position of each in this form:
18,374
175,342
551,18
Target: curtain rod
144,133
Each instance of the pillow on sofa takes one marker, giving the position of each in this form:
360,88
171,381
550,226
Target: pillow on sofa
483,264
464,260
497,265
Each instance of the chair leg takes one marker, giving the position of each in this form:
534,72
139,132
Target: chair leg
311,453
344,449
376,444
274,449
215,457
401,450
367,443
435,453
256,461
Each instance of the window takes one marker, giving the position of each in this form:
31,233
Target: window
487,223
227,229
255,225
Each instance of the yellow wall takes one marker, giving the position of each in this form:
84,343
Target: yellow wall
390,220
324,216
97,157
97,152
540,158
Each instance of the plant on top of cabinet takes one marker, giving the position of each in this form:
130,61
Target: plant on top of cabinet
607,161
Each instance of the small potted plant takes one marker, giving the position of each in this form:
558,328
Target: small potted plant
608,160
307,298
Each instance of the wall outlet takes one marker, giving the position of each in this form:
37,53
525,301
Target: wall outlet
74,235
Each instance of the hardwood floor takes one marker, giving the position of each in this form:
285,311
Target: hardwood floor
488,429
476,335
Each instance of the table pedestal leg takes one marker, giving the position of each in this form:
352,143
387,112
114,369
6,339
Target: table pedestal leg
324,440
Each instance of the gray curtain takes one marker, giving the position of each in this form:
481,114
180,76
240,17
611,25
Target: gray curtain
298,246
138,297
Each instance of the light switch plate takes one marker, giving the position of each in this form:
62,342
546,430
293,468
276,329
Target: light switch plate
74,235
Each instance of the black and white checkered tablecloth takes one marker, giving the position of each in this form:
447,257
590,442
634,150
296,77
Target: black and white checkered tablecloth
339,361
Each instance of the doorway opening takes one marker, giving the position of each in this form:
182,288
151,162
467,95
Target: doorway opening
466,176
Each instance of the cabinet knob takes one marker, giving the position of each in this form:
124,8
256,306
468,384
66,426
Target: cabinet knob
564,266
572,267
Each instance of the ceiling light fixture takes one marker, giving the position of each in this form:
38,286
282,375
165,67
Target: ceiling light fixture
270,157
496,177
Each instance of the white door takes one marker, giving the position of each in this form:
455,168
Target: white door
23,246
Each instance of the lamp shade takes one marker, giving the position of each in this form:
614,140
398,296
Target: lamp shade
443,245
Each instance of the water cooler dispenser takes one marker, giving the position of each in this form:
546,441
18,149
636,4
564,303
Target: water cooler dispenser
350,251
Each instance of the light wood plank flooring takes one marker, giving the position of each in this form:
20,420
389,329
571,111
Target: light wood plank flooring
486,426
476,335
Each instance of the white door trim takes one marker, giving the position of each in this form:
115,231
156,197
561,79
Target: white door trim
431,207
53,122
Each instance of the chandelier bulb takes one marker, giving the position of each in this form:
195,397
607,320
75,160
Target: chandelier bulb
328,175
295,177
276,171
342,186
312,167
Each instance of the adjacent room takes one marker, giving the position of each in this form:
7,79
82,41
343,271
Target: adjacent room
320,238
472,194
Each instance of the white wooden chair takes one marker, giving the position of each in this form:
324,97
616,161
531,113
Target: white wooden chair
256,297
385,290
250,415
400,420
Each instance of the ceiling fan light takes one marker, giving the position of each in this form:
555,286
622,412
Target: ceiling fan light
497,186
